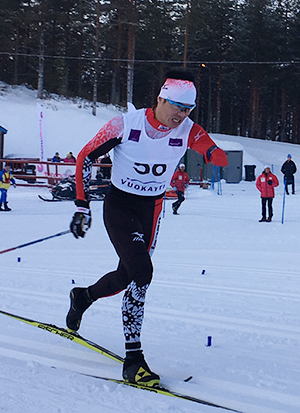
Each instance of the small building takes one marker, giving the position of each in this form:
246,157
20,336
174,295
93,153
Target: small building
199,171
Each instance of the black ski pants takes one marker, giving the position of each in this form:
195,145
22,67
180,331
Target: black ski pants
289,181
264,202
180,199
132,223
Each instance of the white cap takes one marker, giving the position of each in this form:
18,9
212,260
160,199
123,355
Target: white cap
182,91
267,166
182,165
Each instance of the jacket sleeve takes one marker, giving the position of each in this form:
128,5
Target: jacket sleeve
258,183
107,138
173,180
200,141
275,181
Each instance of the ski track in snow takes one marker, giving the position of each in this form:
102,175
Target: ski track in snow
247,301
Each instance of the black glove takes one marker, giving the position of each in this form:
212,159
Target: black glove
81,222
270,182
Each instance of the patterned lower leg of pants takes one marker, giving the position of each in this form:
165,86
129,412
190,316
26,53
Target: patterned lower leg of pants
133,312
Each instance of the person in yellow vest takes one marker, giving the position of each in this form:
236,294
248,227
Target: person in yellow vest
6,179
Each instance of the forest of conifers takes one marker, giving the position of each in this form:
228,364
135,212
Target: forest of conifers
245,55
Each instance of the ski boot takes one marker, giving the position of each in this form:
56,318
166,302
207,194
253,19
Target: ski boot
174,209
80,300
136,370
6,207
1,209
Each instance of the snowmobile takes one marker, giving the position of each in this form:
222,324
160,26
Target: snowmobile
65,190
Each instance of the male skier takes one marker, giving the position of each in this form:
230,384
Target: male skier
148,144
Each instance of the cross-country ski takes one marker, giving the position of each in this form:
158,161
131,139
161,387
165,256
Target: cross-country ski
62,332
51,328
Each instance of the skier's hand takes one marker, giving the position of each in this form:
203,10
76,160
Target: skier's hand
219,157
81,222
270,182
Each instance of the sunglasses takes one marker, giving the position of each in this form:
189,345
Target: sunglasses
181,106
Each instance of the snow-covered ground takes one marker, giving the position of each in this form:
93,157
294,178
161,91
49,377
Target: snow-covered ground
247,300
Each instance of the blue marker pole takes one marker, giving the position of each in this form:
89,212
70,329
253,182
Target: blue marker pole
213,177
219,181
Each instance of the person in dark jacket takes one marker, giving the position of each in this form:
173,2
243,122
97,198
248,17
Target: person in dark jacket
289,169
105,171
56,158
265,183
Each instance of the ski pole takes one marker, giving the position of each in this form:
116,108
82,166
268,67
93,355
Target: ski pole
36,241
164,205
283,204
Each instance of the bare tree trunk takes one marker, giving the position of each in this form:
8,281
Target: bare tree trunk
255,106
198,85
209,114
283,115
130,64
186,34
295,126
115,84
41,67
96,66
64,76
16,60
218,102
95,88
274,118
132,18
79,65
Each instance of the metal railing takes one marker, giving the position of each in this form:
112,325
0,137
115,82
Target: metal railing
43,173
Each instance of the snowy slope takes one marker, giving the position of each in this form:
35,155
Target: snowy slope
67,125
247,299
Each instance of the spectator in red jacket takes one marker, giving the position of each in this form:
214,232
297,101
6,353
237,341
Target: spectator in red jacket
180,181
265,183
